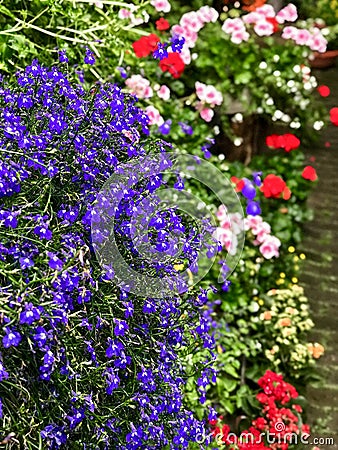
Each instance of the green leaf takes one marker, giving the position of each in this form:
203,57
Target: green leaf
6,11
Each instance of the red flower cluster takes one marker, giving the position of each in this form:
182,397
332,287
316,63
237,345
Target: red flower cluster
287,141
145,45
275,187
323,90
276,420
334,116
309,173
274,22
162,24
173,64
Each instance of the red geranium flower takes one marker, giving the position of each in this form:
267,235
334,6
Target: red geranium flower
145,45
275,187
173,64
291,142
274,141
238,182
323,90
274,22
309,173
162,24
287,141
334,116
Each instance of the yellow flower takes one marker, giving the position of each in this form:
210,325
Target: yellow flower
302,256
291,249
294,280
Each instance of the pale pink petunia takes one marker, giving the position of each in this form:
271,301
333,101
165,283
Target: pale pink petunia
190,37
124,13
185,54
191,21
177,29
213,96
287,14
252,17
207,14
252,222
264,28
222,213
164,92
302,37
227,238
207,114
266,11
237,37
317,42
270,247
231,25
139,86
154,115
200,89
289,32
161,5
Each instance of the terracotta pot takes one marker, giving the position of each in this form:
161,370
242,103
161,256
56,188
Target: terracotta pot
324,60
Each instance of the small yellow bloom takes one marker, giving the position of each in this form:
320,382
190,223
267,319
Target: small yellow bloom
294,280
296,258
261,302
302,256
282,275
291,249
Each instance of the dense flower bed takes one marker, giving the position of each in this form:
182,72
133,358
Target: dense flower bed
84,362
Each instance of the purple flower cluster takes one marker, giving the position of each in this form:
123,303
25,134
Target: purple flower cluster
249,193
176,44
92,363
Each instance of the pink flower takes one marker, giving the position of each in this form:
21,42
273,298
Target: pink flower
228,239
190,37
185,54
154,115
208,94
207,14
252,17
213,96
177,29
289,32
207,114
200,89
222,213
264,28
287,14
317,42
161,5
266,11
124,13
191,21
269,248
252,223
164,92
231,25
302,37
239,36
139,86
262,233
